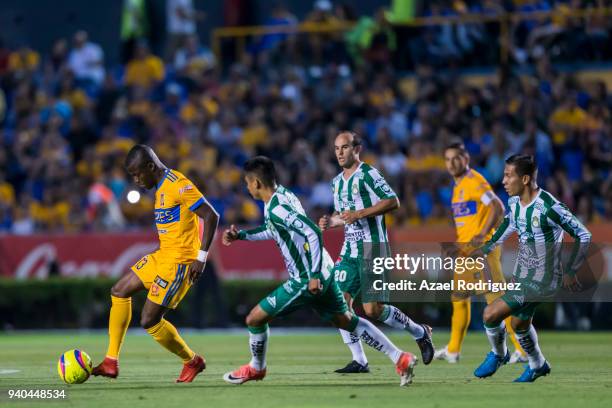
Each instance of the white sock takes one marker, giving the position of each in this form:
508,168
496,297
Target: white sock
376,339
397,319
529,342
497,339
258,343
354,344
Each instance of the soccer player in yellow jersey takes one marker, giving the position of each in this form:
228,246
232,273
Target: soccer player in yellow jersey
168,273
477,211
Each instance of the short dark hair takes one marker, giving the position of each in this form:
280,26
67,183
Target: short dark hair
456,145
139,153
524,164
263,168
357,140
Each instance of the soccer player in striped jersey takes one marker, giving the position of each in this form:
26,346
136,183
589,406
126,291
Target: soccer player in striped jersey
168,273
540,220
476,211
310,282
362,197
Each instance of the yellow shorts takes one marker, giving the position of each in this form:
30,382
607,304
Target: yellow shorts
166,282
492,272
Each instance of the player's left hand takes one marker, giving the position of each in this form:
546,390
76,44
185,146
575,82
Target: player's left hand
349,217
195,270
571,283
314,286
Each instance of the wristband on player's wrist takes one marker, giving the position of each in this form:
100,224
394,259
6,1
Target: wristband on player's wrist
202,255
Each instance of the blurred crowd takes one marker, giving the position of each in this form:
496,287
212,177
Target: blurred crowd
67,121
573,30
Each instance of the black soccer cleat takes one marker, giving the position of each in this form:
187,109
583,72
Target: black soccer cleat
426,345
354,368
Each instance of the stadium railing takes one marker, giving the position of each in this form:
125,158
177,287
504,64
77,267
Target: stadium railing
506,21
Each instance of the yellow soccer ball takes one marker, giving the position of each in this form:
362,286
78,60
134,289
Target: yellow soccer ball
74,366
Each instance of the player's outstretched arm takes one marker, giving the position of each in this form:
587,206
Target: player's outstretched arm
562,216
211,221
506,228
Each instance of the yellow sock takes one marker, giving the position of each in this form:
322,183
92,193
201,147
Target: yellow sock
167,336
118,323
459,324
510,331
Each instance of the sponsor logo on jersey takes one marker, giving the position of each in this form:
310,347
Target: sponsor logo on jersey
382,184
354,236
167,215
464,208
185,188
355,189
535,221
287,287
293,220
162,197
271,300
347,204
162,283
154,290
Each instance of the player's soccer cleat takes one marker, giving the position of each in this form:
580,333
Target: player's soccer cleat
426,345
444,354
244,374
191,369
517,357
530,375
109,367
490,365
354,368
405,368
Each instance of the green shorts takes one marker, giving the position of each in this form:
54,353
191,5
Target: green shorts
293,295
520,309
347,274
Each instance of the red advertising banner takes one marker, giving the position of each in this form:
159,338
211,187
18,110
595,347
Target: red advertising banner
111,255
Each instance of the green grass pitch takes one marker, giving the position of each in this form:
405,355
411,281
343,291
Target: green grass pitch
300,374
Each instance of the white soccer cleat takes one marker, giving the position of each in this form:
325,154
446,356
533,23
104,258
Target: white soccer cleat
517,357
444,354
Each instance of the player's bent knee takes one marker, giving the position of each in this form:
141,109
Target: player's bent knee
252,320
119,291
373,310
342,321
490,317
147,322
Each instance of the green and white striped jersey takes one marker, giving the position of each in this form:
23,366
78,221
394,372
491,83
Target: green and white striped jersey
298,238
540,226
363,189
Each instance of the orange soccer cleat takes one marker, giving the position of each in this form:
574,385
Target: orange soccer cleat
109,367
191,369
405,368
244,374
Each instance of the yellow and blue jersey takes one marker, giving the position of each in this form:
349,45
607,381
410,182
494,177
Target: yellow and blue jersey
178,226
471,196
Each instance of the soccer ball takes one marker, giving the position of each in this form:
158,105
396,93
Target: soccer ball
74,366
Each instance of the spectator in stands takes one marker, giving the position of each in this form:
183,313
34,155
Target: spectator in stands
181,23
86,60
193,59
145,69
